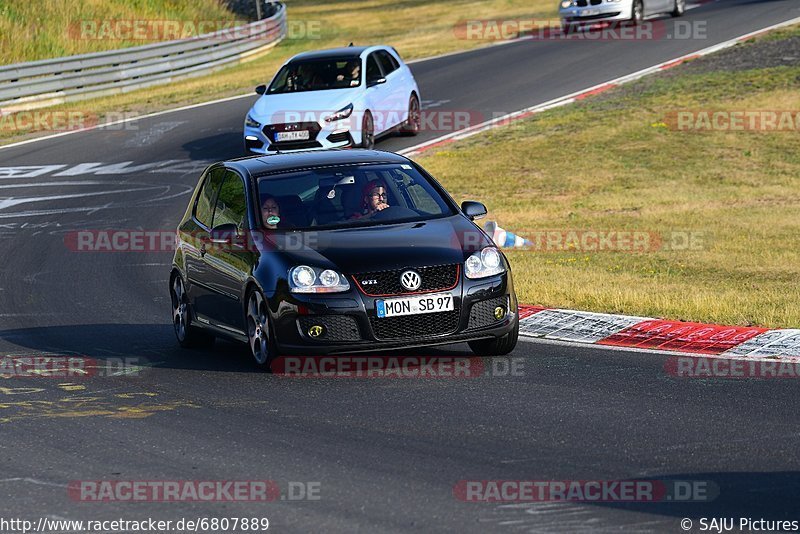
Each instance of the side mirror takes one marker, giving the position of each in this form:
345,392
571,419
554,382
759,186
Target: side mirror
376,81
261,89
473,210
224,234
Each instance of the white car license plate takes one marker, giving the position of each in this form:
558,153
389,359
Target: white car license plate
588,12
439,302
301,135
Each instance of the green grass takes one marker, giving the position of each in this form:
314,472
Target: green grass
31,30
610,163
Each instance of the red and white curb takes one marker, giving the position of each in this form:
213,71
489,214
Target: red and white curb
510,118
659,335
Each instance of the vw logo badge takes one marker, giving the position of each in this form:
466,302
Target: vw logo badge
411,280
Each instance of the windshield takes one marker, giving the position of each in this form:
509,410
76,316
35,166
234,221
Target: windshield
357,195
317,75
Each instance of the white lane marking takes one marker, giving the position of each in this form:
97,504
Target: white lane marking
237,97
171,166
10,202
49,184
569,99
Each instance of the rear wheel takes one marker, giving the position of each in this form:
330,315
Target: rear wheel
680,7
414,121
368,131
188,336
499,346
262,343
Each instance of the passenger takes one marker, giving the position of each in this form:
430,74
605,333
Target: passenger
373,200
270,212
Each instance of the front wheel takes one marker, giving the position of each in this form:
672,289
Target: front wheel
637,12
262,343
188,336
680,7
499,346
368,131
414,121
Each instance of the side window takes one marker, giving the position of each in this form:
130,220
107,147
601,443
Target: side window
231,202
204,207
373,70
388,63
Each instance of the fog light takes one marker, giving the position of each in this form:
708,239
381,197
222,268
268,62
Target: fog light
499,312
316,331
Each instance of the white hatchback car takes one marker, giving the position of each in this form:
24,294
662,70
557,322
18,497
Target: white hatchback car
337,98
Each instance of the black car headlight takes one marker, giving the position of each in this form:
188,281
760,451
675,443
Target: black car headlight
341,114
305,279
487,262
250,122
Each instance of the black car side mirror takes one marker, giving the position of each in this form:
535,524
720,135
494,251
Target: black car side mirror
261,89
376,81
224,234
473,210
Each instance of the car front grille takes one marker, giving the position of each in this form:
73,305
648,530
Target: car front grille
386,283
415,326
482,313
581,3
336,327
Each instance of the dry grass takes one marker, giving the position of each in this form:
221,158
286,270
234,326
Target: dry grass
611,164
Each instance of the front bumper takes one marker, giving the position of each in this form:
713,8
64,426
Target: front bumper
604,12
350,322
322,136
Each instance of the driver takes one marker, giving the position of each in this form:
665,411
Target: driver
374,199
351,73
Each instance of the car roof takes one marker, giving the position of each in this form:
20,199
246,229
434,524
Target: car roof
345,52
288,161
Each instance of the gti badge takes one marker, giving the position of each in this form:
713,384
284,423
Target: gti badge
410,280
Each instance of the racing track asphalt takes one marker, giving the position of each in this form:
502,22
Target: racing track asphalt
386,452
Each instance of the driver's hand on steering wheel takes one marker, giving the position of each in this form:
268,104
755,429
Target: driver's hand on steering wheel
381,206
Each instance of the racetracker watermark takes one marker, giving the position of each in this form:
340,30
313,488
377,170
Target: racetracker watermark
428,120
65,121
192,491
581,241
520,491
395,367
156,30
551,30
634,241
702,367
742,120
67,367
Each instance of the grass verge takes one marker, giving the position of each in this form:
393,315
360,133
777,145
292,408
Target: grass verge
612,163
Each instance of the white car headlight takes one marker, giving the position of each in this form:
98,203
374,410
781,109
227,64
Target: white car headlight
250,122
341,114
565,4
485,263
305,279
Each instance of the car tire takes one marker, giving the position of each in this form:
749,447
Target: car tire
637,12
499,346
189,336
368,131
413,123
260,335
680,8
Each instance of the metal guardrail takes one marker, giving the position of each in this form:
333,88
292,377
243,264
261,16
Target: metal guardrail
36,84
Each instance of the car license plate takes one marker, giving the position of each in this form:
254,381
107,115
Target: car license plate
439,302
301,135
587,13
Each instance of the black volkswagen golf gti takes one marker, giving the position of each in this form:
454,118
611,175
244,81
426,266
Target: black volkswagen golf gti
336,252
